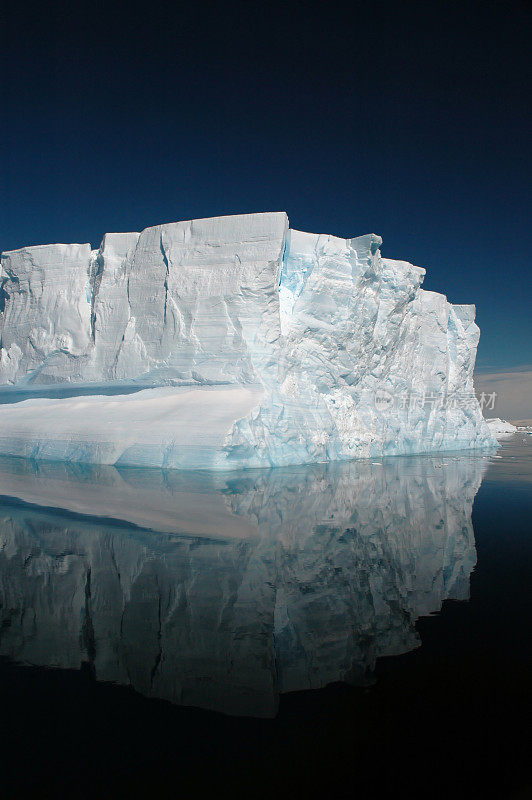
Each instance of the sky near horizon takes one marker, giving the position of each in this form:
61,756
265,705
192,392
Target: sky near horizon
409,120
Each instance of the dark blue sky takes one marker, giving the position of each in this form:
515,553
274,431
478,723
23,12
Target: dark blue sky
410,120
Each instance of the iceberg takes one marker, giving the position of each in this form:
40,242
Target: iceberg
500,428
230,342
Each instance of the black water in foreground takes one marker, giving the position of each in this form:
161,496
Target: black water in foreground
335,631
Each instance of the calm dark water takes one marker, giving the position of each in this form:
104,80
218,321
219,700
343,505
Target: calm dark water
332,631
16,394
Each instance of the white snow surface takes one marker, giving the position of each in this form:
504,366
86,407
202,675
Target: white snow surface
253,345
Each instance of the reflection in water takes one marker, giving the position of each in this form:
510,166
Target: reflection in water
222,591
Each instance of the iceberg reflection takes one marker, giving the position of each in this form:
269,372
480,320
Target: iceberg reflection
223,591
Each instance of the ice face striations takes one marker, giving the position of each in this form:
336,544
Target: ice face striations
260,346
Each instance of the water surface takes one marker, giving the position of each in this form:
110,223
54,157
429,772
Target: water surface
263,628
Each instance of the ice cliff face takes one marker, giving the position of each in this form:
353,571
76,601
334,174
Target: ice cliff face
323,350
184,302
225,590
46,311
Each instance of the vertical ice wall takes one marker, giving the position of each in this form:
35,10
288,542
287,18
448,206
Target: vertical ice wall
371,363
198,301
45,321
184,302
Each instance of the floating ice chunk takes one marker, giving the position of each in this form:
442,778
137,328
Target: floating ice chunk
500,428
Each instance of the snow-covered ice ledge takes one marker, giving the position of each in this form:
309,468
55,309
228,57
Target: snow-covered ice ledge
260,346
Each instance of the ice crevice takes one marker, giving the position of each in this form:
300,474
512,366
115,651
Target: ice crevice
167,266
